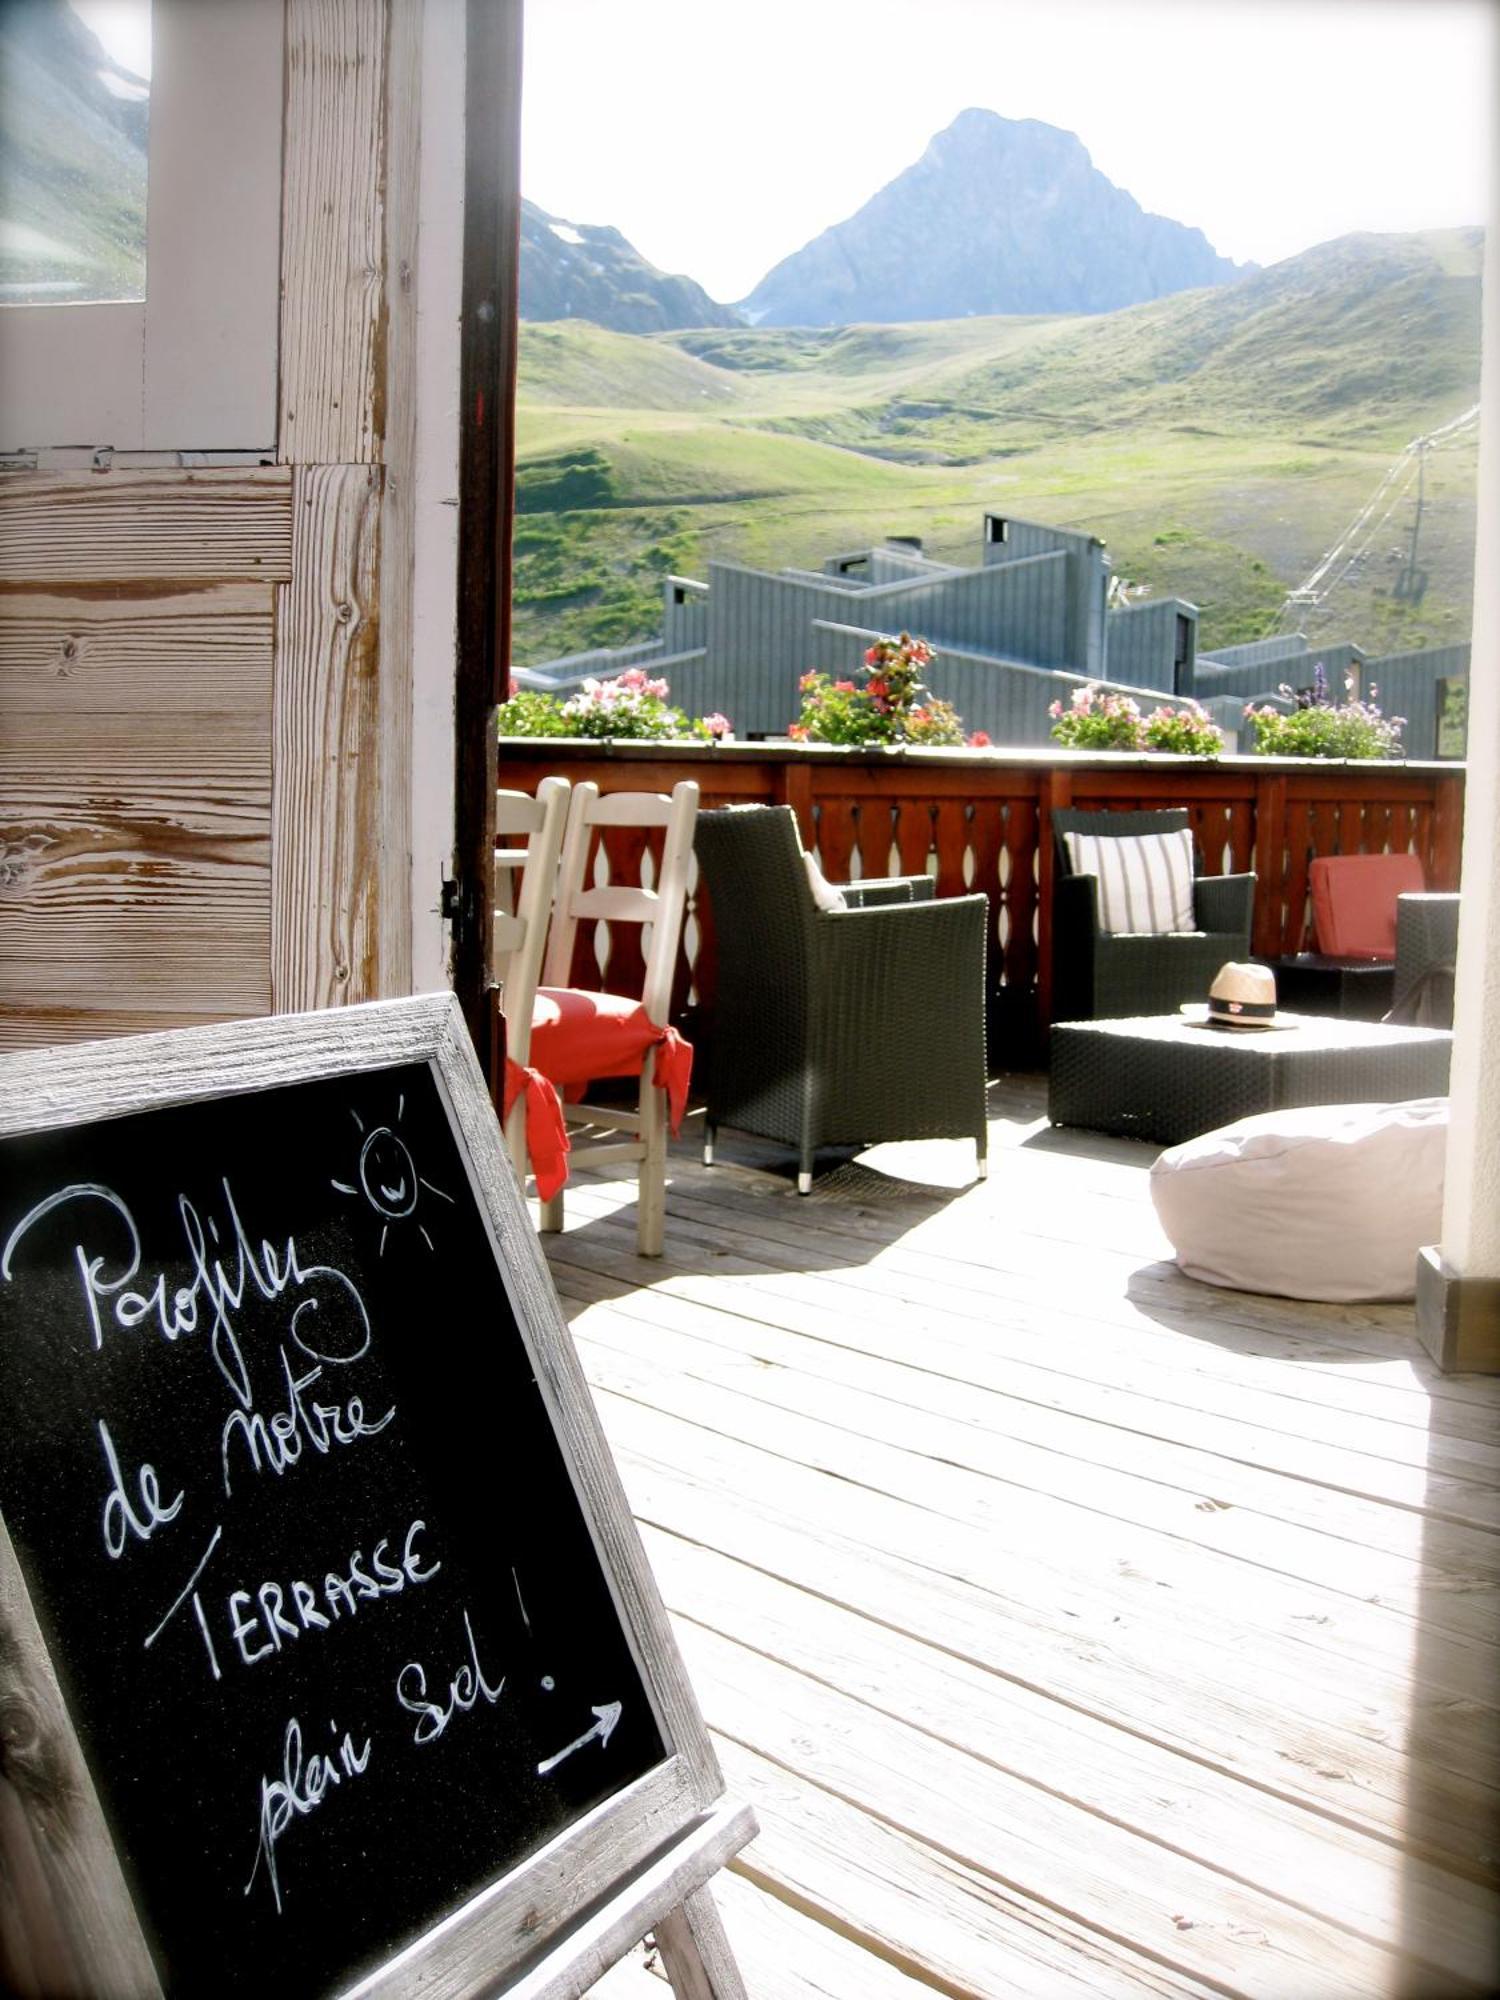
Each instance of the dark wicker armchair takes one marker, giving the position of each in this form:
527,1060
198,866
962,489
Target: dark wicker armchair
837,1027
1098,974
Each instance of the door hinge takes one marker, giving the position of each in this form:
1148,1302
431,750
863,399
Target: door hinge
457,903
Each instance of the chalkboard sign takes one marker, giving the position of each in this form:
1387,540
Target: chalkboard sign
313,1517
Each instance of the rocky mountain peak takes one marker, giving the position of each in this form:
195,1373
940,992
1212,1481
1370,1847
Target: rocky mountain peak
999,215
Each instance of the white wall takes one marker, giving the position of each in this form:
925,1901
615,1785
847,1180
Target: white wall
1471,1209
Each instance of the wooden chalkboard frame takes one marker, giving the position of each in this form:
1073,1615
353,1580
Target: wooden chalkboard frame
640,1859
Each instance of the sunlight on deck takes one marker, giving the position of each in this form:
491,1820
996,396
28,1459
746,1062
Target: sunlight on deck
1073,1628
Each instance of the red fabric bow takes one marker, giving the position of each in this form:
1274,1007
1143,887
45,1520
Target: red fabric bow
546,1134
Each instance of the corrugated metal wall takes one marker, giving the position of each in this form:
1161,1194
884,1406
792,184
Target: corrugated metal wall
1406,684
1141,644
684,614
1254,678
1008,541
1255,652
892,565
603,663
759,626
1013,635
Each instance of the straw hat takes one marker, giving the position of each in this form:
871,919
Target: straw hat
1243,996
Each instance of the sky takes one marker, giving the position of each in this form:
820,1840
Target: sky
721,137
124,27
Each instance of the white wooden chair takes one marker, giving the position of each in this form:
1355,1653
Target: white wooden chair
579,1036
528,843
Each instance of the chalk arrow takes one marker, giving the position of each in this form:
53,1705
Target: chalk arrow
604,1728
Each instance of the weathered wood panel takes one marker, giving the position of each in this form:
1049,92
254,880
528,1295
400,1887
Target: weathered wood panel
135,767
136,864
326,807
117,648
333,314
143,525
66,1922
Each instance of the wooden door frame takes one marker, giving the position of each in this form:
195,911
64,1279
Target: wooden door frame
488,350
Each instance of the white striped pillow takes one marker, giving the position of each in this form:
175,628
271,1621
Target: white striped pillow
1145,879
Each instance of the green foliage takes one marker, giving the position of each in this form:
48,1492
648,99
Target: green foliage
1237,593
1099,719
1184,731
585,579
1222,440
893,706
532,713
1321,728
582,478
632,707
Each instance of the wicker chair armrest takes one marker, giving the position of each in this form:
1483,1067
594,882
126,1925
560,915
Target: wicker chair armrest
868,959
882,889
1224,902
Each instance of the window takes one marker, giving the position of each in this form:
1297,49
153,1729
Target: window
74,117
139,256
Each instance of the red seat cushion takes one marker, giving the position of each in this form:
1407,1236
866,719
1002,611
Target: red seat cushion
577,1037
1354,901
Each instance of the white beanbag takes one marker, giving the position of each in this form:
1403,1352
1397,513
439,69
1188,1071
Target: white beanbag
1330,1201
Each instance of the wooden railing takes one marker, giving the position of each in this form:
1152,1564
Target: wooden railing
982,820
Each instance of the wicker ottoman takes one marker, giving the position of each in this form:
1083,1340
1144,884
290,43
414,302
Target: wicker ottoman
1164,1078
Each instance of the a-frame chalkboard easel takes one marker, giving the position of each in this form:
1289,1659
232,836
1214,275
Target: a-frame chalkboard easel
329,1656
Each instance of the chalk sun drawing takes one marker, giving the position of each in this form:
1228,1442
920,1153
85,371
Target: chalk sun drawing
388,1178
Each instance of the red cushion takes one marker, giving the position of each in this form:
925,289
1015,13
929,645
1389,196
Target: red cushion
577,1037
1354,901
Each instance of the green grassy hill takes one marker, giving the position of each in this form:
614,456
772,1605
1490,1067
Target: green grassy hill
1219,441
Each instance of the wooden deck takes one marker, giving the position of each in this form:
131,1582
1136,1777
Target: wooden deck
1075,1629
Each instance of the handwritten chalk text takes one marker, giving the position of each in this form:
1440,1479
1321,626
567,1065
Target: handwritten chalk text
121,1516
276,1443
330,1323
301,1789
261,1621
466,1688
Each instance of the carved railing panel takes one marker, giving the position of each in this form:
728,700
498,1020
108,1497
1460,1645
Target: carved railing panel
983,822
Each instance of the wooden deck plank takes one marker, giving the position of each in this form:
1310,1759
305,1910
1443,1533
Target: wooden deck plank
1182,1911
1163,1796
940,1464
1073,1627
1036,1410
960,1931
1324,1726
1016,1253
1241,1354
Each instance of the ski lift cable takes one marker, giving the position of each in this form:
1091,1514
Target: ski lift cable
1327,561
1376,528
1405,461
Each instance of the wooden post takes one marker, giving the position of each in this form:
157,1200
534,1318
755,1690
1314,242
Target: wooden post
797,778
1270,865
1055,794
696,1953
1445,861
492,220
